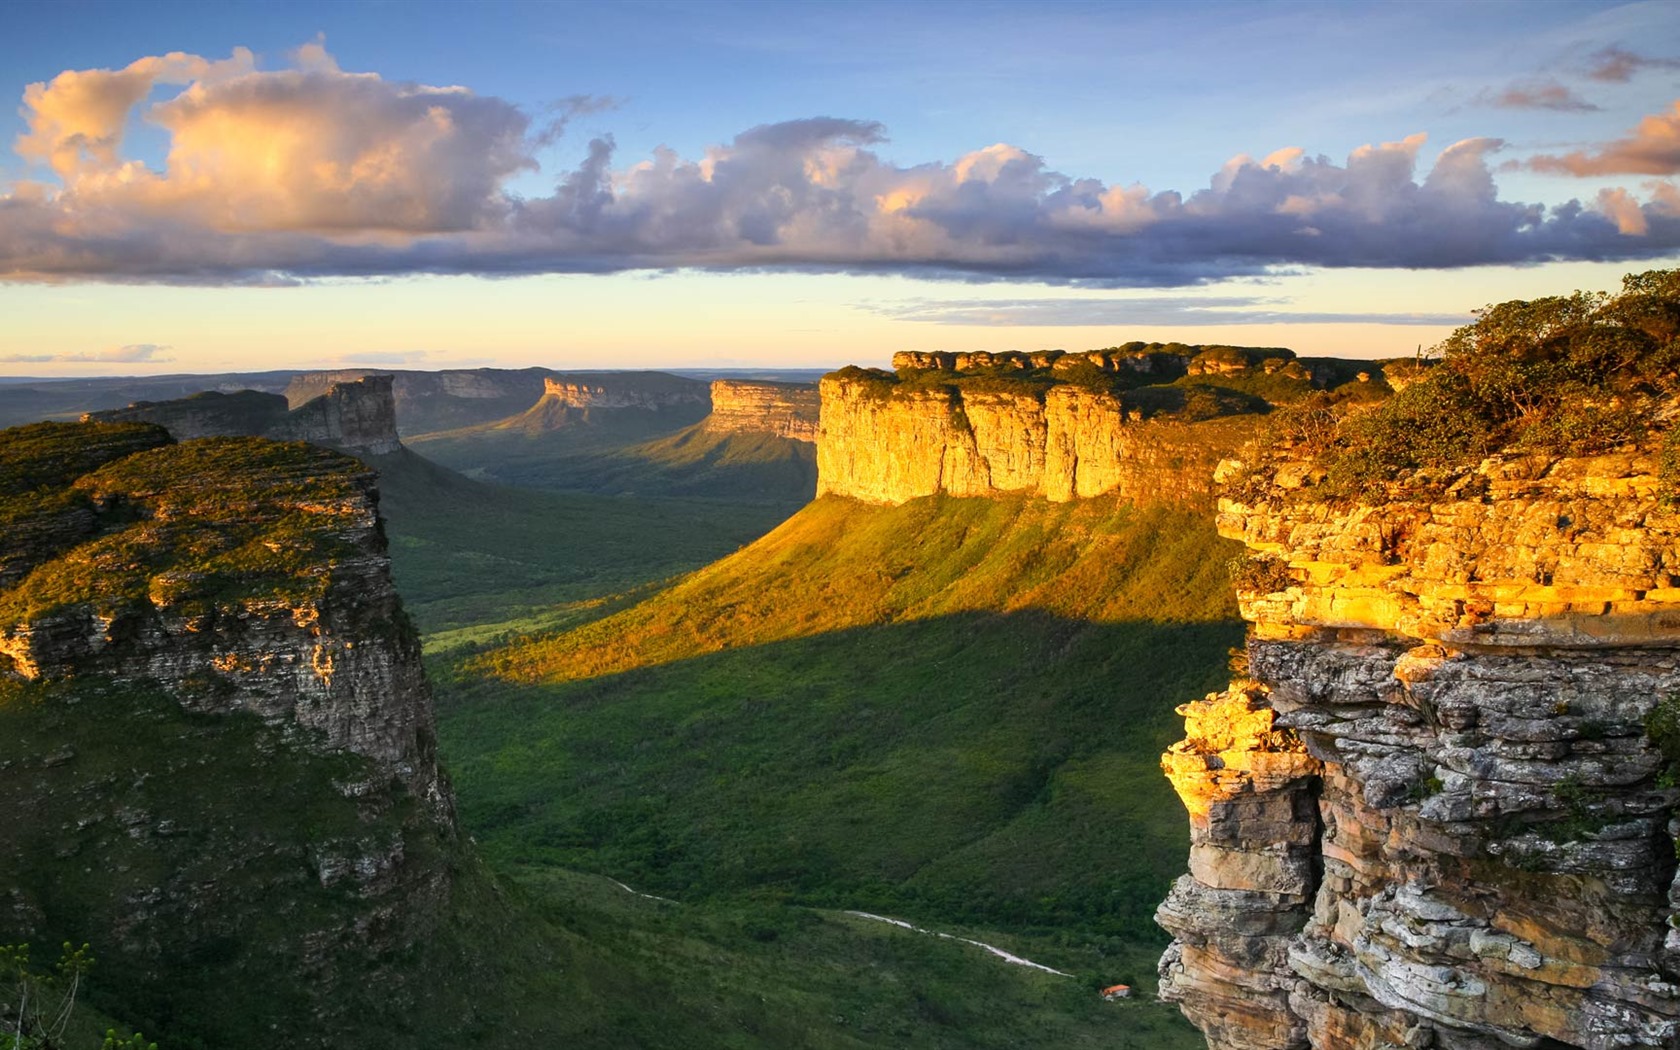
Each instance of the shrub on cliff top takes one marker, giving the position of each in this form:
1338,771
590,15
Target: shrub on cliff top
1567,374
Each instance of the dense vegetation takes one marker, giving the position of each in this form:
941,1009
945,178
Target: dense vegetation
1575,374
1149,380
630,452
950,711
476,561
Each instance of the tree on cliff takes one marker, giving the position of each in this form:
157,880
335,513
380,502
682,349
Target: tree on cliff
1569,374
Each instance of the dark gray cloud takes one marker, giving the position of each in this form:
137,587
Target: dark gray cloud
395,178
1148,311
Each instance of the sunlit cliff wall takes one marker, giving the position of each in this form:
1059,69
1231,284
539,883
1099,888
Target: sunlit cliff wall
1435,814
1065,443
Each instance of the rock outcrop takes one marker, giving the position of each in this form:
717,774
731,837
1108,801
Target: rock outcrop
1441,813
427,402
244,413
887,445
356,416
789,410
251,574
217,735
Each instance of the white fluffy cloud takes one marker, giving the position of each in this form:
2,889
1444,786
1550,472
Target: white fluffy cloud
307,171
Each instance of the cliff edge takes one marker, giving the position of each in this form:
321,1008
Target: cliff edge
884,441
356,416
218,734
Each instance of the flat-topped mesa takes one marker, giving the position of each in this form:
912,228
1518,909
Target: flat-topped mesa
741,406
614,390
357,416
885,443
433,401
245,413
240,574
1485,687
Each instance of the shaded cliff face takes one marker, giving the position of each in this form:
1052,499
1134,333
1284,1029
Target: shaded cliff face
787,410
431,401
1062,443
217,734
244,574
1439,814
356,416
211,413
644,390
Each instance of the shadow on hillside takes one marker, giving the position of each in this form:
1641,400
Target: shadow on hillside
993,769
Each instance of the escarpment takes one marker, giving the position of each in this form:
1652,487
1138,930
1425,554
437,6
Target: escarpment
615,390
433,401
356,416
1440,812
1062,442
216,728
787,410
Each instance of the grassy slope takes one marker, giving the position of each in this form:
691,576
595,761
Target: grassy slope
949,710
474,561
699,462
628,452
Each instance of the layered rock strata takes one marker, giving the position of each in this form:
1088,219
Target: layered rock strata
244,575
1068,443
643,390
788,410
356,416
431,401
1479,684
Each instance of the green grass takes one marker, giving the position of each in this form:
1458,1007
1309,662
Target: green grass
951,711
475,562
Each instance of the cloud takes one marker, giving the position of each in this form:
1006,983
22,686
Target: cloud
1618,65
287,175
1653,148
129,354
1535,94
1138,312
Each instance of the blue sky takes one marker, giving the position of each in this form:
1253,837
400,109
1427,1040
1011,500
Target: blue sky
993,176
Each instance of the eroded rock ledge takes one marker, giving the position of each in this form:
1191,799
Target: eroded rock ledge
1434,816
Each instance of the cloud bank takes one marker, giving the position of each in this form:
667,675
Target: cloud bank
274,176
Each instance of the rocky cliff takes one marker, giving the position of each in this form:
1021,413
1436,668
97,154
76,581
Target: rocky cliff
427,402
356,416
614,390
1440,810
788,410
217,734
887,443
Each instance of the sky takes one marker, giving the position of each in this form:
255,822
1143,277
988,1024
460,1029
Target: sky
243,186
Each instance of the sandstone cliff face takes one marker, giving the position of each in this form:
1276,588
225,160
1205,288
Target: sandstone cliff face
356,416
789,410
644,390
216,734
245,574
1070,443
245,413
1435,817
433,401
